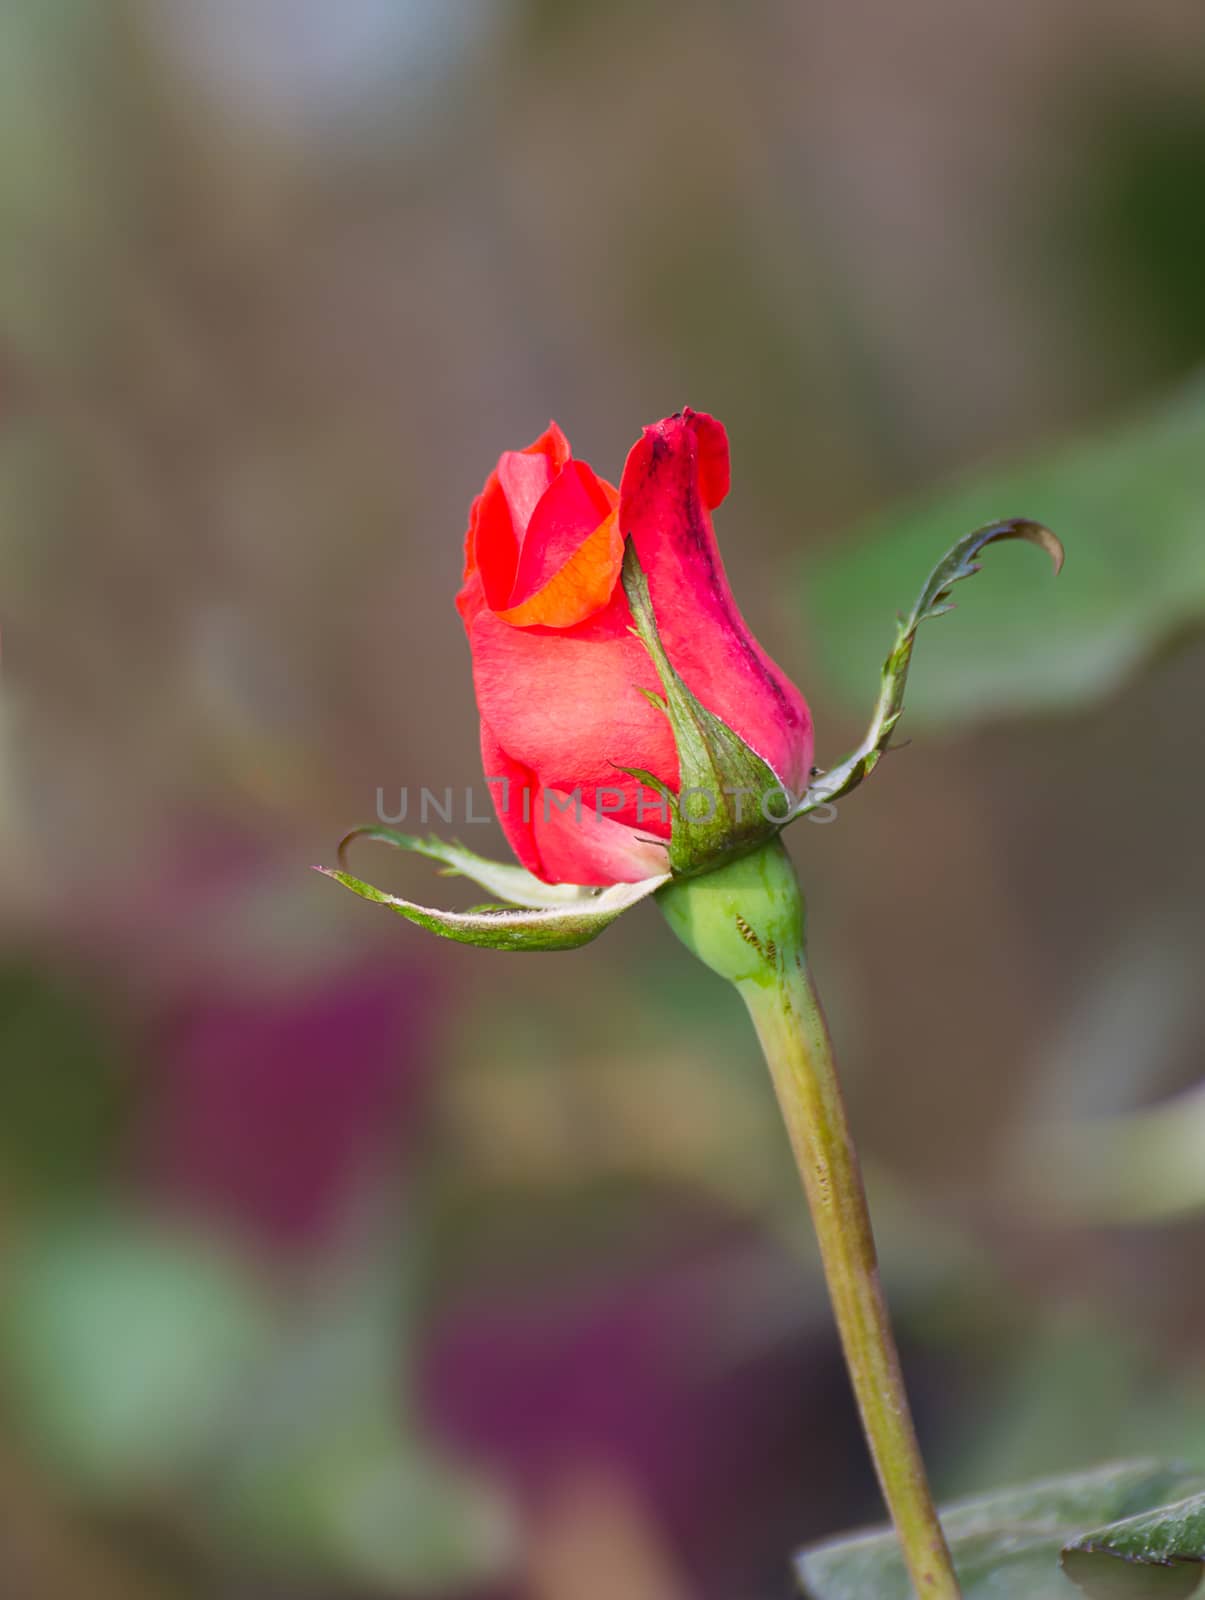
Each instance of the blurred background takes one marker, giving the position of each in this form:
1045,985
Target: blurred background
339,1263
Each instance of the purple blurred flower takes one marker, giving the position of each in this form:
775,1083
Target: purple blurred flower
270,1105
736,1458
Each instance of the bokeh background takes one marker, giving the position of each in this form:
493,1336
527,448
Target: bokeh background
337,1263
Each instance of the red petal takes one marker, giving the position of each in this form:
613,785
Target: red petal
674,474
567,704
558,839
500,514
525,474
578,846
492,545
513,790
571,555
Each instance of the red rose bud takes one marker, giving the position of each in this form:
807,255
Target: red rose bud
575,733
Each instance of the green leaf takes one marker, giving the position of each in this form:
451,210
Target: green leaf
125,1346
1143,1166
1132,503
555,927
933,601
723,784
1170,1540
1009,1545
509,882
332,1476
365,1508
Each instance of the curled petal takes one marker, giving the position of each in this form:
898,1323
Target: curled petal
571,555
501,512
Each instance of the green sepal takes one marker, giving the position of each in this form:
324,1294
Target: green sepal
650,780
715,765
549,927
511,883
958,562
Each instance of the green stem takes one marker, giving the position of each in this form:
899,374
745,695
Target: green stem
746,921
791,1027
